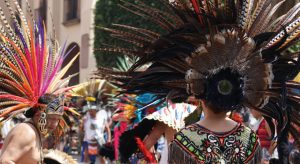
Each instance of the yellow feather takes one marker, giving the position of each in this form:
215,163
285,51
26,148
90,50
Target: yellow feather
297,78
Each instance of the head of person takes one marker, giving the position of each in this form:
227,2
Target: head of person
209,107
294,156
93,109
219,92
48,113
91,106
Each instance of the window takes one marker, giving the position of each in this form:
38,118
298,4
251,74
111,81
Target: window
43,10
20,3
71,11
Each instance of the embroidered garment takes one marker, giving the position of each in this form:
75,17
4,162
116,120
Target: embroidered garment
173,115
196,144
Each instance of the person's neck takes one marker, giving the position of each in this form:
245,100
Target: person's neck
211,116
34,120
217,122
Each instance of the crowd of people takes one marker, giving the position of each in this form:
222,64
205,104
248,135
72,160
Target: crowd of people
218,84
92,135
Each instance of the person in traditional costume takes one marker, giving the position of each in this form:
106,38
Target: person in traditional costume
163,122
131,109
95,121
31,82
229,54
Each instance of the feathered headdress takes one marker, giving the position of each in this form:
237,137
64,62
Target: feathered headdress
228,53
94,92
172,115
31,64
56,156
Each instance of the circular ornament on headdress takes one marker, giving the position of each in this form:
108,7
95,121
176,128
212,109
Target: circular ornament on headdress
224,89
43,115
227,73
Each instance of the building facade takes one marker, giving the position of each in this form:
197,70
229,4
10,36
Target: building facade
73,23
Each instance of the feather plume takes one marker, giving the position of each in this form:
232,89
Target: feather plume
31,65
228,53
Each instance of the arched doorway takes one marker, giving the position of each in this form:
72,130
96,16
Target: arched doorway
75,66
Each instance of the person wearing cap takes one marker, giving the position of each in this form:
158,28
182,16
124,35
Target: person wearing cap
94,125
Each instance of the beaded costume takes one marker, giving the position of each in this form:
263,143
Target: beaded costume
204,146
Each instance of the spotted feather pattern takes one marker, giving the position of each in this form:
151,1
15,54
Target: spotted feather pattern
30,63
206,37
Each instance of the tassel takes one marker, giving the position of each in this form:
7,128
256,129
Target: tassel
148,155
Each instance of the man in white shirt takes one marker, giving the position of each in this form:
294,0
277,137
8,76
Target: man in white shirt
94,125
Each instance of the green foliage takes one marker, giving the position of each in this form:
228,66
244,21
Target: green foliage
109,12
295,48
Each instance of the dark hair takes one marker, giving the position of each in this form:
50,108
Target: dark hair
294,156
45,99
30,112
50,161
214,108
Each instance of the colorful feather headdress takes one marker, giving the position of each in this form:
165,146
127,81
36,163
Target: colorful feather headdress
172,115
228,53
31,62
94,92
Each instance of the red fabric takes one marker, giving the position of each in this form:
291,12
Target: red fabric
237,117
263,135
117,133
149,157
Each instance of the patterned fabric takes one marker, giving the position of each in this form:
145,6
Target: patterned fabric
173,115
236,146
56,106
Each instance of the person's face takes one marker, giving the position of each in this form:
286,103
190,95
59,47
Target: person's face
92,112
52,121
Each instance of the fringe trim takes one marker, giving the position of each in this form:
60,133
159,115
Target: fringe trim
257,157
177,155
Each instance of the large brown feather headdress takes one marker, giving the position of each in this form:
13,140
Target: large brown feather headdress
229,53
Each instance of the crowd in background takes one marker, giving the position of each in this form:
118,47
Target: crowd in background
92,136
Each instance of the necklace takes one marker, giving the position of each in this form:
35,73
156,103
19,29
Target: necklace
41,143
